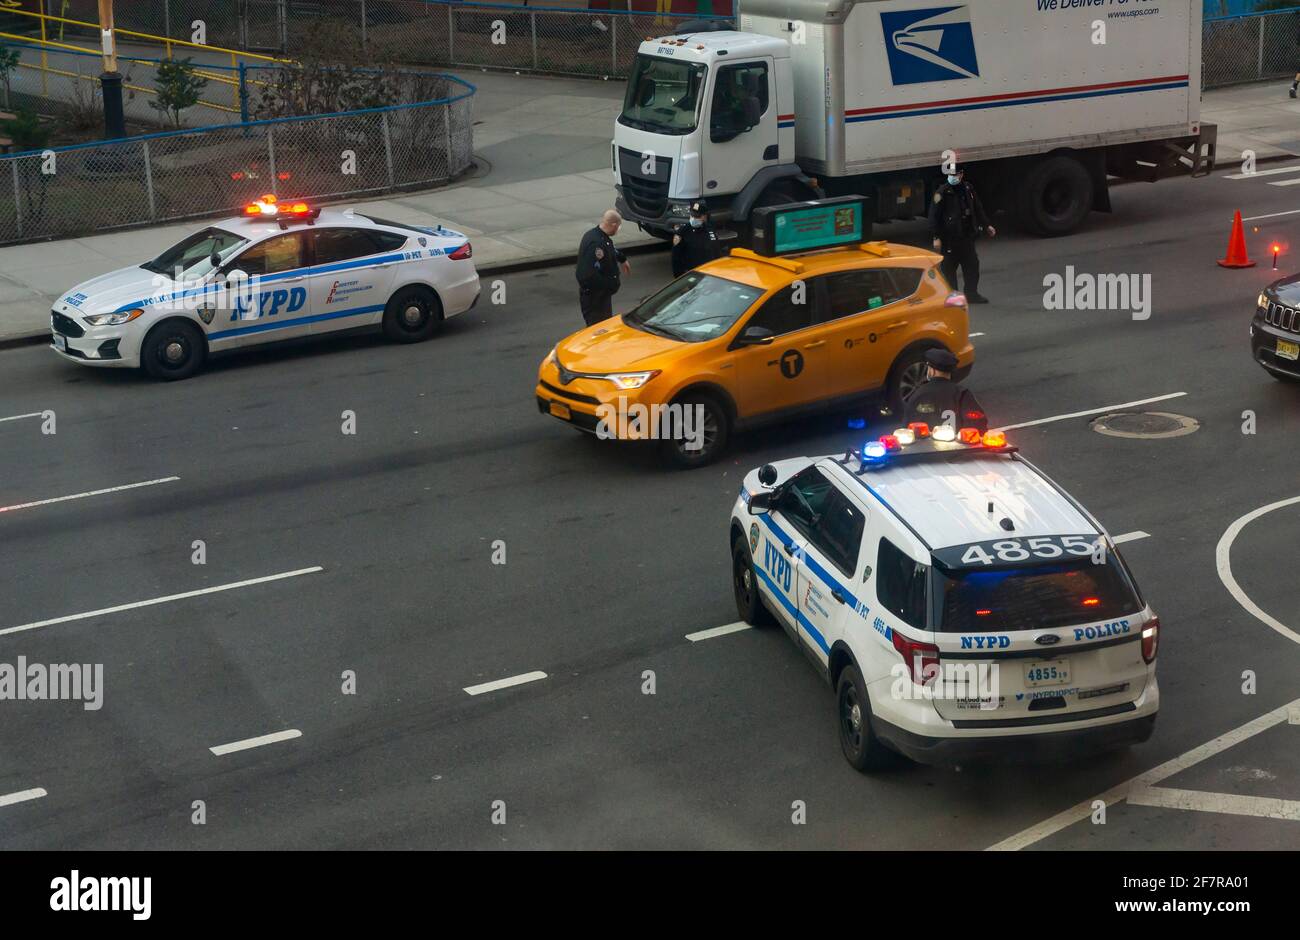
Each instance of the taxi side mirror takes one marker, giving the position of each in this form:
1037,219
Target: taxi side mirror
754,336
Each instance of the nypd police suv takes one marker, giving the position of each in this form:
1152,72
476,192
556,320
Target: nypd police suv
282,270
959,602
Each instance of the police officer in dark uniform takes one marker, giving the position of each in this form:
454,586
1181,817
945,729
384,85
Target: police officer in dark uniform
939,394
696,243
957,219
598,269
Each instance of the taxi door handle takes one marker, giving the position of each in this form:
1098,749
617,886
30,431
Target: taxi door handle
839,597
896,326
820,342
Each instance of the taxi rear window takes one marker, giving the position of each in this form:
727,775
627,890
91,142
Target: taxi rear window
1032,598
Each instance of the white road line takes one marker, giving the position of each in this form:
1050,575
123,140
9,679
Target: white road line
505,683
1082,811
160,600
1271,215
1130,537
1230,803
111,489
34,414
1295,182
1091,411
22,796
1224,565
718,631
1294,168
973,335
244,745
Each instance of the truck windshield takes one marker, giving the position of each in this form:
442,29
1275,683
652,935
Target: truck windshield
663,95
694,308
1032,598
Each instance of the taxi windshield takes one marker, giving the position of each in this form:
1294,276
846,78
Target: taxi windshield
695,308
192,257
663,95
1032,598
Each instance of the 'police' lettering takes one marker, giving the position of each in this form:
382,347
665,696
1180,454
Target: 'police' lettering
1117,628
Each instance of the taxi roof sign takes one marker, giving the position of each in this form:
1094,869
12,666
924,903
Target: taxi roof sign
811,225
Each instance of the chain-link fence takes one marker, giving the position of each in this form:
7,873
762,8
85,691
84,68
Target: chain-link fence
213,171
556,37
1250,48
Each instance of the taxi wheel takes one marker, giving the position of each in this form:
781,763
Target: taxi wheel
172,350
412,315
714,427
745,585
862,749
908,373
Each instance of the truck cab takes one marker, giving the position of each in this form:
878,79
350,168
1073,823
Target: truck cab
705,115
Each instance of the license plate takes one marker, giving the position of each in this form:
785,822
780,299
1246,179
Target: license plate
1287,350
1046,672
60,342
561,411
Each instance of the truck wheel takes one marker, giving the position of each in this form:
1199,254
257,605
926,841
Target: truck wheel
173,350
862,749
712,430
1056,196
744,584
412,314
908,372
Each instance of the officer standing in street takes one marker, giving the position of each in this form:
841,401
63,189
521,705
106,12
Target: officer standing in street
598,269
957,219
938,394
695,244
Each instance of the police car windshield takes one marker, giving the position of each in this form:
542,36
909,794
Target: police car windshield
1033,598
192,257
663,95
694,308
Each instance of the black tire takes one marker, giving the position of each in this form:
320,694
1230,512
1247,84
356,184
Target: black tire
173,350
744,585
862,749
908,372
1056,196
716,429
412,315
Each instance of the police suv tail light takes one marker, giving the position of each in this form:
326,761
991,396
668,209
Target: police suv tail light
922,658
1150,640
462,253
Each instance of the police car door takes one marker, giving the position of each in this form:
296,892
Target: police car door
351,276
827,572
266,297
793,518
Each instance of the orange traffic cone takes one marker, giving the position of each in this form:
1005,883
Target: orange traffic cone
1237,247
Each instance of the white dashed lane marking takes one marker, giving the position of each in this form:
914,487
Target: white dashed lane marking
1130,537
159,600
111,489
504,683
1275,171
34,414
22,796
1233,804
717,631
249,743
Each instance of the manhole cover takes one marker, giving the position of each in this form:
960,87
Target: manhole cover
1145,424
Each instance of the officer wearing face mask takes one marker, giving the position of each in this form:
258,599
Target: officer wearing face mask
957,219
695,244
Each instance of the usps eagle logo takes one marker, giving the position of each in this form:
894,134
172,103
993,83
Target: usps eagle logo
930,45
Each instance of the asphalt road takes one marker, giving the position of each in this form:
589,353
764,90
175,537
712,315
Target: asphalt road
610,561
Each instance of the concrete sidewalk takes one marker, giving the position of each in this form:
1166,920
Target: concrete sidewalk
519,208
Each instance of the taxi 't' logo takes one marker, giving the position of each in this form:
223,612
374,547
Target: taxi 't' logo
791,363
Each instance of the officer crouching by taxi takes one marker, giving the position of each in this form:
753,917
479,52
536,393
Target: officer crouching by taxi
939,396
695,244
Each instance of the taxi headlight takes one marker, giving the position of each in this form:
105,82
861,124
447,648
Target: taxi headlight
550,356
113,319
628,380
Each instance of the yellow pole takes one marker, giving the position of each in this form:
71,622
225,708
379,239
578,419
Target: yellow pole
234,92
45,91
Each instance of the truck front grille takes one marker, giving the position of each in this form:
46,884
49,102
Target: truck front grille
646,192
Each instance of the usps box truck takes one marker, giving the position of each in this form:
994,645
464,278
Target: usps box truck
1043,101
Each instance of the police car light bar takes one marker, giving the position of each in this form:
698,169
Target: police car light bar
269,207
918,442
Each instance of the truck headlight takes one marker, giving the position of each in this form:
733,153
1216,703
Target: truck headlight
113,319
630,380
680,209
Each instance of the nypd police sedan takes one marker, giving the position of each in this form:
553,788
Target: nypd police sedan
281,270
959,602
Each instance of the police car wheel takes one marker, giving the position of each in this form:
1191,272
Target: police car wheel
172,350
713,425
908,373
744,583
862,749
413,314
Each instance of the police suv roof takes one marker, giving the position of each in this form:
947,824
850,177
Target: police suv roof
946,500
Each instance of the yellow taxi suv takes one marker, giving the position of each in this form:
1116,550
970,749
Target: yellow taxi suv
814,318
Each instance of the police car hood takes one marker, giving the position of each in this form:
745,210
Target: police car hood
117,289
613,346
